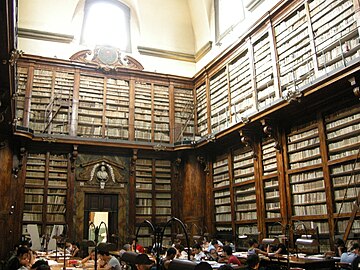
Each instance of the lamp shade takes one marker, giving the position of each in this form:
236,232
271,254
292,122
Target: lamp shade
270,241
306,242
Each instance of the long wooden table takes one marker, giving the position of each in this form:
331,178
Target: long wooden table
308,263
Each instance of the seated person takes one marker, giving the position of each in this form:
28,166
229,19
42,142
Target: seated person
170,255
40,265
21,258
198,254
139,248
90,258
180,252
277,249
110,261
213,255
340,248
229,243
253,262
214,245
229,258
226,267
348,257
254,248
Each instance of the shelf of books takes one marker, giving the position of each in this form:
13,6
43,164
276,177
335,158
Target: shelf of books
184,114
201,110
90,113
294,50
57,112
22,77
243,165
143,111
163,190
335,31
241,87
219,101
303,146
45,190
117,109
161,114
153,190
263,69
40,98
270,179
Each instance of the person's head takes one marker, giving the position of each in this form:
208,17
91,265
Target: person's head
215,243
226,267
227,250
355,247
171,253
197,248
213,253
127,247
22,252
253,243
253,261
92,254
103,254
339,242
38,263
43,267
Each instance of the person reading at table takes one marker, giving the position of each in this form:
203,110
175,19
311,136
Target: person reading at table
348,257
277,249
198,254
110,261
229,257
254,248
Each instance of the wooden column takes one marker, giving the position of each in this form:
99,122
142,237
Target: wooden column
28,91
194,198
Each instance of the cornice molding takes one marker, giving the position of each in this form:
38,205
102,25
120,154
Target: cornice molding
42,35
166,54
203,51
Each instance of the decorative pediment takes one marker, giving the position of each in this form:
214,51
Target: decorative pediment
107,58
101,170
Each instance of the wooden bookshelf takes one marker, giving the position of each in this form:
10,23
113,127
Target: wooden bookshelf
241,90
294,50
143,111
263,71
153,190
161,124
219,101
46,187
90,113
335,31
117,109
22,78
201,110
184,114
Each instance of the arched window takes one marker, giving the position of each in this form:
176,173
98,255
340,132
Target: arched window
106,22
228,13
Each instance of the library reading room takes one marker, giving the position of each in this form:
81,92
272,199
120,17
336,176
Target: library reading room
179,134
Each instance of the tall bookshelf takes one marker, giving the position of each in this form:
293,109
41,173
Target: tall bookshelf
294,50
222,194
90,113
263,71
46,187
22,78
270,179
184,113
219,101
342,138
161,114
241,90
143,111
153,190
201,110
336,35
40,98
117,109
